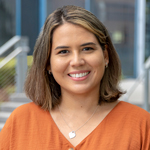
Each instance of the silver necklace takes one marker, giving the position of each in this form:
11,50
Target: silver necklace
72,134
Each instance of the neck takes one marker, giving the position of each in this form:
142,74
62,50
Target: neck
81,102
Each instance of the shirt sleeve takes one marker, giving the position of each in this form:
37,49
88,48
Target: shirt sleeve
146,133
5,135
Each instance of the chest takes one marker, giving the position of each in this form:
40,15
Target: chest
106,136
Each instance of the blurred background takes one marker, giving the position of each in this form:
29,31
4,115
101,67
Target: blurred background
128,22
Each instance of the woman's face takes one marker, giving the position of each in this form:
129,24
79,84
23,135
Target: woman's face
77,60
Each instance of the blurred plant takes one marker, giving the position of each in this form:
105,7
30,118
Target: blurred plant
7,78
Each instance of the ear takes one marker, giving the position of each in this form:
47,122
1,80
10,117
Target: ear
48,68
106,56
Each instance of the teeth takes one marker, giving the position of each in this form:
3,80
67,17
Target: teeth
79,75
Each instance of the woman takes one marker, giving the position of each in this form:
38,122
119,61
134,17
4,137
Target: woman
73,84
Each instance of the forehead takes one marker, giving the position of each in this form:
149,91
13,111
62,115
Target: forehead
69,33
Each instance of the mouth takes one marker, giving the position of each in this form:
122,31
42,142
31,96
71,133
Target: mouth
79,75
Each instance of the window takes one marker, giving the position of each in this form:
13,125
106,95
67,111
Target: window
7,20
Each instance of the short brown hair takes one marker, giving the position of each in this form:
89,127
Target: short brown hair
42,87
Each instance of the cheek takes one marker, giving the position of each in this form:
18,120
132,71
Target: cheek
57,66
99,67
98,62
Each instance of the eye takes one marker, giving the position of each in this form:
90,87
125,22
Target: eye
63,52
87,49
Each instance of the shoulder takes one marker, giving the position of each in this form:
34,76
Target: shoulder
132,111
132,117
27,107
26,116
28,110
125,105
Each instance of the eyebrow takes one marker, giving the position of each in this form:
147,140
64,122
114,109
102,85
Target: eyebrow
61,47
89,43
85,44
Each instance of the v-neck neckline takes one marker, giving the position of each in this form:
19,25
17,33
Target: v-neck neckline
67,141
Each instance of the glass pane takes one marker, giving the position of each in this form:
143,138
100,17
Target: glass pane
53,4
30,21
147,42
7,20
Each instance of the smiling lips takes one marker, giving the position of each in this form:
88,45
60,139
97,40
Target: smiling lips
79,75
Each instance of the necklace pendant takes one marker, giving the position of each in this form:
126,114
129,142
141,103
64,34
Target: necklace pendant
72,134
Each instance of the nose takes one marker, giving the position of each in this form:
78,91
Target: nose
77,60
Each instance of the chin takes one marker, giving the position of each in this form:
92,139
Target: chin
80,91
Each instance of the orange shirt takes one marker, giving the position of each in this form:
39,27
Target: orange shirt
126,127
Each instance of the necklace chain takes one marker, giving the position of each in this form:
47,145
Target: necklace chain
73,131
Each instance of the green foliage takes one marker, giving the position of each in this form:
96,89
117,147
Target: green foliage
29,60
8,72
7,76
